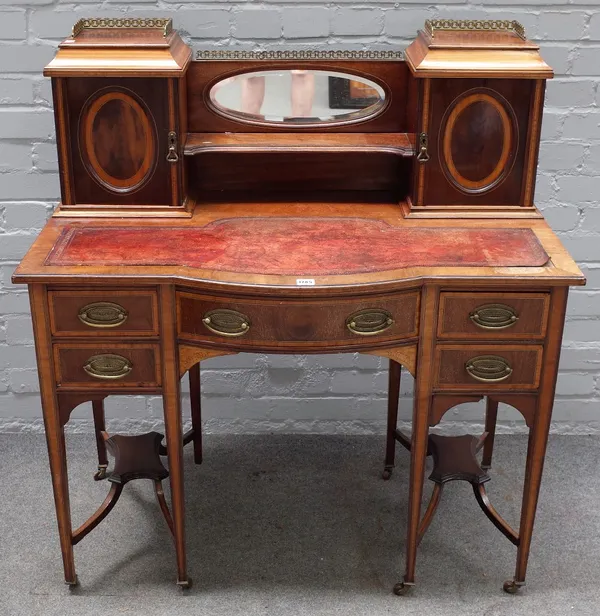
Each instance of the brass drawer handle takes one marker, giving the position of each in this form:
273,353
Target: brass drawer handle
108,366
423,155
369,322
494,316
488,368
172,155
226,322
103,314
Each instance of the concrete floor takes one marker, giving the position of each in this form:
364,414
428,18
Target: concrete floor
299,525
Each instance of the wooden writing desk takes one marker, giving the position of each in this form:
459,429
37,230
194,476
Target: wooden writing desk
402,226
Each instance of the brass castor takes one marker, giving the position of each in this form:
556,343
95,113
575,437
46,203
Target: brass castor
402,588
511,587
185,584
387,472
101,473
73,584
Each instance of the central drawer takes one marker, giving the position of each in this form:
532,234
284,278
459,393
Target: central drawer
272,323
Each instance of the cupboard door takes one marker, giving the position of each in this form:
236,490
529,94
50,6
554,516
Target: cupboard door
119,141
477,141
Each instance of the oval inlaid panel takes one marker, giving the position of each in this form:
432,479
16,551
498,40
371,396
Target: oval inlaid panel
479,141
119,142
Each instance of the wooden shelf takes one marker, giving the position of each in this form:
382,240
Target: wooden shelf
398,144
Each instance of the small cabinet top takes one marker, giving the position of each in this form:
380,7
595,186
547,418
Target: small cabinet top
444,48
112,46
475,48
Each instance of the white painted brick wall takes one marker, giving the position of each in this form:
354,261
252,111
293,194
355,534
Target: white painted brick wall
313,393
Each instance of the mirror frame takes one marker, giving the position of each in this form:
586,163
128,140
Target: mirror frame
277,60
372,110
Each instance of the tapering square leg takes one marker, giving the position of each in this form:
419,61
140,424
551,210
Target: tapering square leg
538,436
99,428
420,435
173,427
395,372
54,427
196,411
491,418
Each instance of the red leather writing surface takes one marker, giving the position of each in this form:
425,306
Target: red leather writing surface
297,246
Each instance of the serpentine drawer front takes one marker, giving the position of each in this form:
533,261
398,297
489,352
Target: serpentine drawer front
493,316
487,366
91,366
103,313
271,323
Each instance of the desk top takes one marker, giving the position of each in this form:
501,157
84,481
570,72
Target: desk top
337,244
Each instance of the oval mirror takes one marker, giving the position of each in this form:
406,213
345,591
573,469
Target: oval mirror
297,97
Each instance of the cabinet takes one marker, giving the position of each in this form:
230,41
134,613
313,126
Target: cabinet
121,115
200,218
481,93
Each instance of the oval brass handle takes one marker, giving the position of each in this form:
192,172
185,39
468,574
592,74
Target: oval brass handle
494,316
369,322
226,322
488,368
108,366
103,314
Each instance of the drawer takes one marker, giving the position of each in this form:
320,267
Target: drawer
487,367
110,367
299,324
493,315
103,313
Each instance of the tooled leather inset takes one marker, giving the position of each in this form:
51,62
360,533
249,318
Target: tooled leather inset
298,246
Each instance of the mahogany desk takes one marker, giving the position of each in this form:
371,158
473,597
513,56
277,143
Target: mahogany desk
187,231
